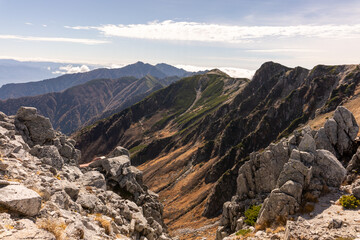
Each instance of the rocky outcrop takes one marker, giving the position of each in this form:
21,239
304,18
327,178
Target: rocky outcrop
285,175
338,134
45,195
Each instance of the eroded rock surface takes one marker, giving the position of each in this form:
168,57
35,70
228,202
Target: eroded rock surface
286,175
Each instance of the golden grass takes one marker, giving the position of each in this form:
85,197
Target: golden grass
54,226
106,224
89,189
279,229
9,227
7,178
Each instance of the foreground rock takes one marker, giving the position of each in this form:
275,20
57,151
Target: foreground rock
20,199
45,195
291,175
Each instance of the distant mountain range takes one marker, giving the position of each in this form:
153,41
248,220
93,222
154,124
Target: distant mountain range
85,103
137,70
12,71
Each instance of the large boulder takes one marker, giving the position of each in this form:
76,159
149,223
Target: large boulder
20,199
329,168
39,128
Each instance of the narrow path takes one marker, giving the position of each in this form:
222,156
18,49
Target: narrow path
198,95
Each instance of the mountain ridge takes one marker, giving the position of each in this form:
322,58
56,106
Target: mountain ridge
210,148
137,70
86,103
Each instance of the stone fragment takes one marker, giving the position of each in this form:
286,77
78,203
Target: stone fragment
335,223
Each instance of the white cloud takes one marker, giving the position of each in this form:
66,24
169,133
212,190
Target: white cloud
238,72
231,71
28,23
68,69
284,50
44,25
54,39
194,31
115,65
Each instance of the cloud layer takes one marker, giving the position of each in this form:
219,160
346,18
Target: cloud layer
231,71
54,39
68,69
193,31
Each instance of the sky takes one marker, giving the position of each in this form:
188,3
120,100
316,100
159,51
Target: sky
238,35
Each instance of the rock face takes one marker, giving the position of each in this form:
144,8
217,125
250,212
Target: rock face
47,196
284,175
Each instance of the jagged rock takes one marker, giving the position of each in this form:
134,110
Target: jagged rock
276,208
307,144
26,113
118,151
230,215
49,155
293,170
331,130
323,142
39,128
93,178
293,189
339,133
268,168
20,199
71,189
88,201
346,120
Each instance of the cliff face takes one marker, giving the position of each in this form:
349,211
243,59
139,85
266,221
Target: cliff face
45,195
191,145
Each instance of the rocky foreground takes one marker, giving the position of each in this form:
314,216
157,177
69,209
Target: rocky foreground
299,181
45,195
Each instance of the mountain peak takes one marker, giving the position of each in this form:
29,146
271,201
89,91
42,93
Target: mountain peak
217,72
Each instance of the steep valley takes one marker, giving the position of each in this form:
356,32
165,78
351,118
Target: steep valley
190,138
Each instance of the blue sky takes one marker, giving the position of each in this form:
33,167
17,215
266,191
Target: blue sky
202,33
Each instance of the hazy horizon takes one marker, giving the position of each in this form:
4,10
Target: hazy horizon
206,34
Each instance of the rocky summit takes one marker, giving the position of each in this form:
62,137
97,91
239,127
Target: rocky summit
44,194
289,178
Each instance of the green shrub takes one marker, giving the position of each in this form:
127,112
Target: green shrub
243,232
349,201
251,214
